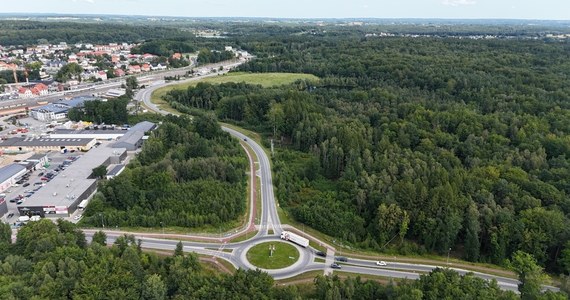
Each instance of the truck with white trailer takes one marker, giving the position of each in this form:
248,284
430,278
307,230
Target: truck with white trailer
297,239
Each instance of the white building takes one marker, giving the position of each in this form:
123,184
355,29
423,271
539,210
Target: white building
10,174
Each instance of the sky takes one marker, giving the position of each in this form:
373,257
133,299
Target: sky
446,9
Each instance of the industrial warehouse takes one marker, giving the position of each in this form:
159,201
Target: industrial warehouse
62,195
42,144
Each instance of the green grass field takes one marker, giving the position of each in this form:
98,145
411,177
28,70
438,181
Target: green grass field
283,256
264,79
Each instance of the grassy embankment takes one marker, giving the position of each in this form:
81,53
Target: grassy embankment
283,256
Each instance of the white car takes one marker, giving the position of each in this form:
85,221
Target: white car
77,217
381,263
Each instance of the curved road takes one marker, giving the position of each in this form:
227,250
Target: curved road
270,220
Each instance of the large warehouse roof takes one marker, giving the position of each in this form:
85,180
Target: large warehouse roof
73,181
48,142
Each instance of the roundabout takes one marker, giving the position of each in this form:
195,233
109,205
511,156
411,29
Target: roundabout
272,255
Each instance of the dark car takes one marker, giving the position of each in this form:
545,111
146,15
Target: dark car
341,258
245,140
41,174
20,202
321,253
10,215
336,266
26,184
13,200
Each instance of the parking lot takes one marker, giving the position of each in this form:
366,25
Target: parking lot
34,181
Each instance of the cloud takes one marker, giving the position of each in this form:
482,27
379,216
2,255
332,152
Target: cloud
459,2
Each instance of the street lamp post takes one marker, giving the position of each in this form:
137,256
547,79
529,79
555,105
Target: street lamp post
448,251
102,224
162,226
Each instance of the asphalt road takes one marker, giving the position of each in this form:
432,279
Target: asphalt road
270,220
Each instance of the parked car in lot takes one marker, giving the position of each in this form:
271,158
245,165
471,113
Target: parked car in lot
10,215
26,184
336,266
41,174
381,263
13,200
77,217
20,202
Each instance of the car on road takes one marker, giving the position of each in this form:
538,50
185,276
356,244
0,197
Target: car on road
336,266
321,253
381,263
245,140
341,258
77,217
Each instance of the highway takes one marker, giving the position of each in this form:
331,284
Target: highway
270,220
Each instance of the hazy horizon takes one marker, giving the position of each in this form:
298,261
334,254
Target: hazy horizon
548,10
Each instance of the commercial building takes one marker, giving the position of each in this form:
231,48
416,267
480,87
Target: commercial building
58,110
39,160
134,137
40,144
99,134
61,196
50,112
10,174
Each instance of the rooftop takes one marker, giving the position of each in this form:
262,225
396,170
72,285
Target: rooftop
73,181
9,171
116,170
37,156
143,126
87,131
53,107
39,142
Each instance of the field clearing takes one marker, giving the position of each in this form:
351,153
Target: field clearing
264,79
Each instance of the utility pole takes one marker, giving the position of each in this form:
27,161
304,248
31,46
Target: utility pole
448,255
272,154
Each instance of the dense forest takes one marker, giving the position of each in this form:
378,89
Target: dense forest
189,174
416,145
31,33
163,47
97,111
54,261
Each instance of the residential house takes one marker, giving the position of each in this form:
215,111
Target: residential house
36,90
145,68
134,69
119,72
158,67
148,57
176,56
101,75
